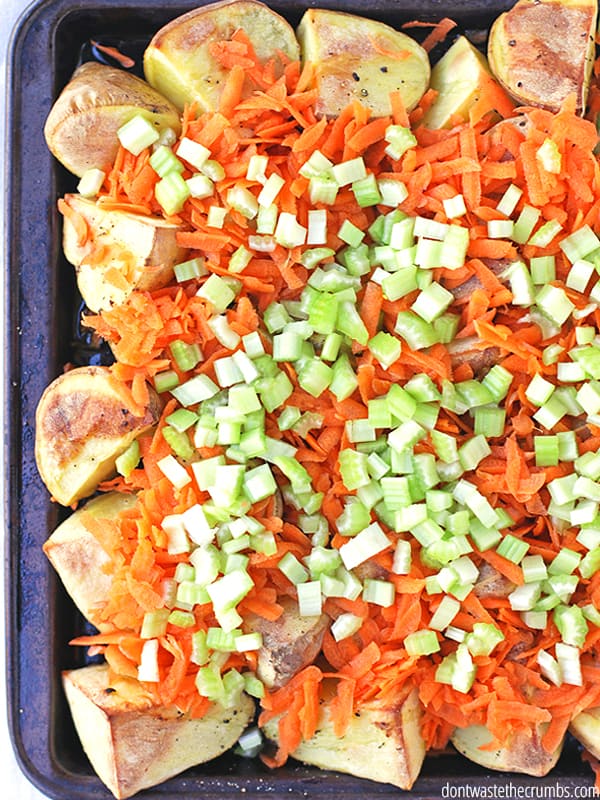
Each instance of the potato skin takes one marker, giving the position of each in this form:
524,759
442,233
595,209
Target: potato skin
457,77
81,128
133,746
585,727
290,643
382,743
542,51
178,60
520,753
356,58
79,559
142,249
83,423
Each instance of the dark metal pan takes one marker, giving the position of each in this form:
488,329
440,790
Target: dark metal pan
40,338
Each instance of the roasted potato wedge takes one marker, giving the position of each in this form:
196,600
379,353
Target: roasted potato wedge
361,59
84,421
79,559
142,250
521,753
132,746
542,51
383,744
290,643
458,78
81,128
585,727
179,60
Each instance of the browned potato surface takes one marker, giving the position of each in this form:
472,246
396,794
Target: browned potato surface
290,643
542,51
356,58
179,60
383,744
83,424
492,583
142,250
520,753
81,562
132,746
81,129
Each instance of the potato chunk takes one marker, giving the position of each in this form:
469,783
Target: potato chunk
84,421
521,753
180,60
542,51
138,252
457,78
585,727
290,643
81,562
133,746
383,744
356,58
81,128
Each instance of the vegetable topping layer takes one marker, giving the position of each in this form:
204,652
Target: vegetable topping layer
372,497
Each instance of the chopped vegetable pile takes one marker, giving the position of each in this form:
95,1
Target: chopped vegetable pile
381,373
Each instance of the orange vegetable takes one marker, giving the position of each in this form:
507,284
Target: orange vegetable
477,160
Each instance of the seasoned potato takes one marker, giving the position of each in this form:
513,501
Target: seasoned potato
383,744
521,753
361,59
78,557
84,421
132,746
290,643
458,78
141,250
81,129
542,51
179,60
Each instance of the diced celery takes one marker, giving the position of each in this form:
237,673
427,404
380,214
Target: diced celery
137,134
185,355
554,302
432,302
455,206
417,333
379,592
366,544
545,233
345,625
422,643
512,548
243,201
128,461
171,192
347,172
579,244
91,182
366,191
217,292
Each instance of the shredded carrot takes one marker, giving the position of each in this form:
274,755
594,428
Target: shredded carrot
77,221
439,29
113,52
269,109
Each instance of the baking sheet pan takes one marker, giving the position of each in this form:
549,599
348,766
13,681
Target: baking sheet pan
40,339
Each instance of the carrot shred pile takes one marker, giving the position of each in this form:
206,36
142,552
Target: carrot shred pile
262,114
